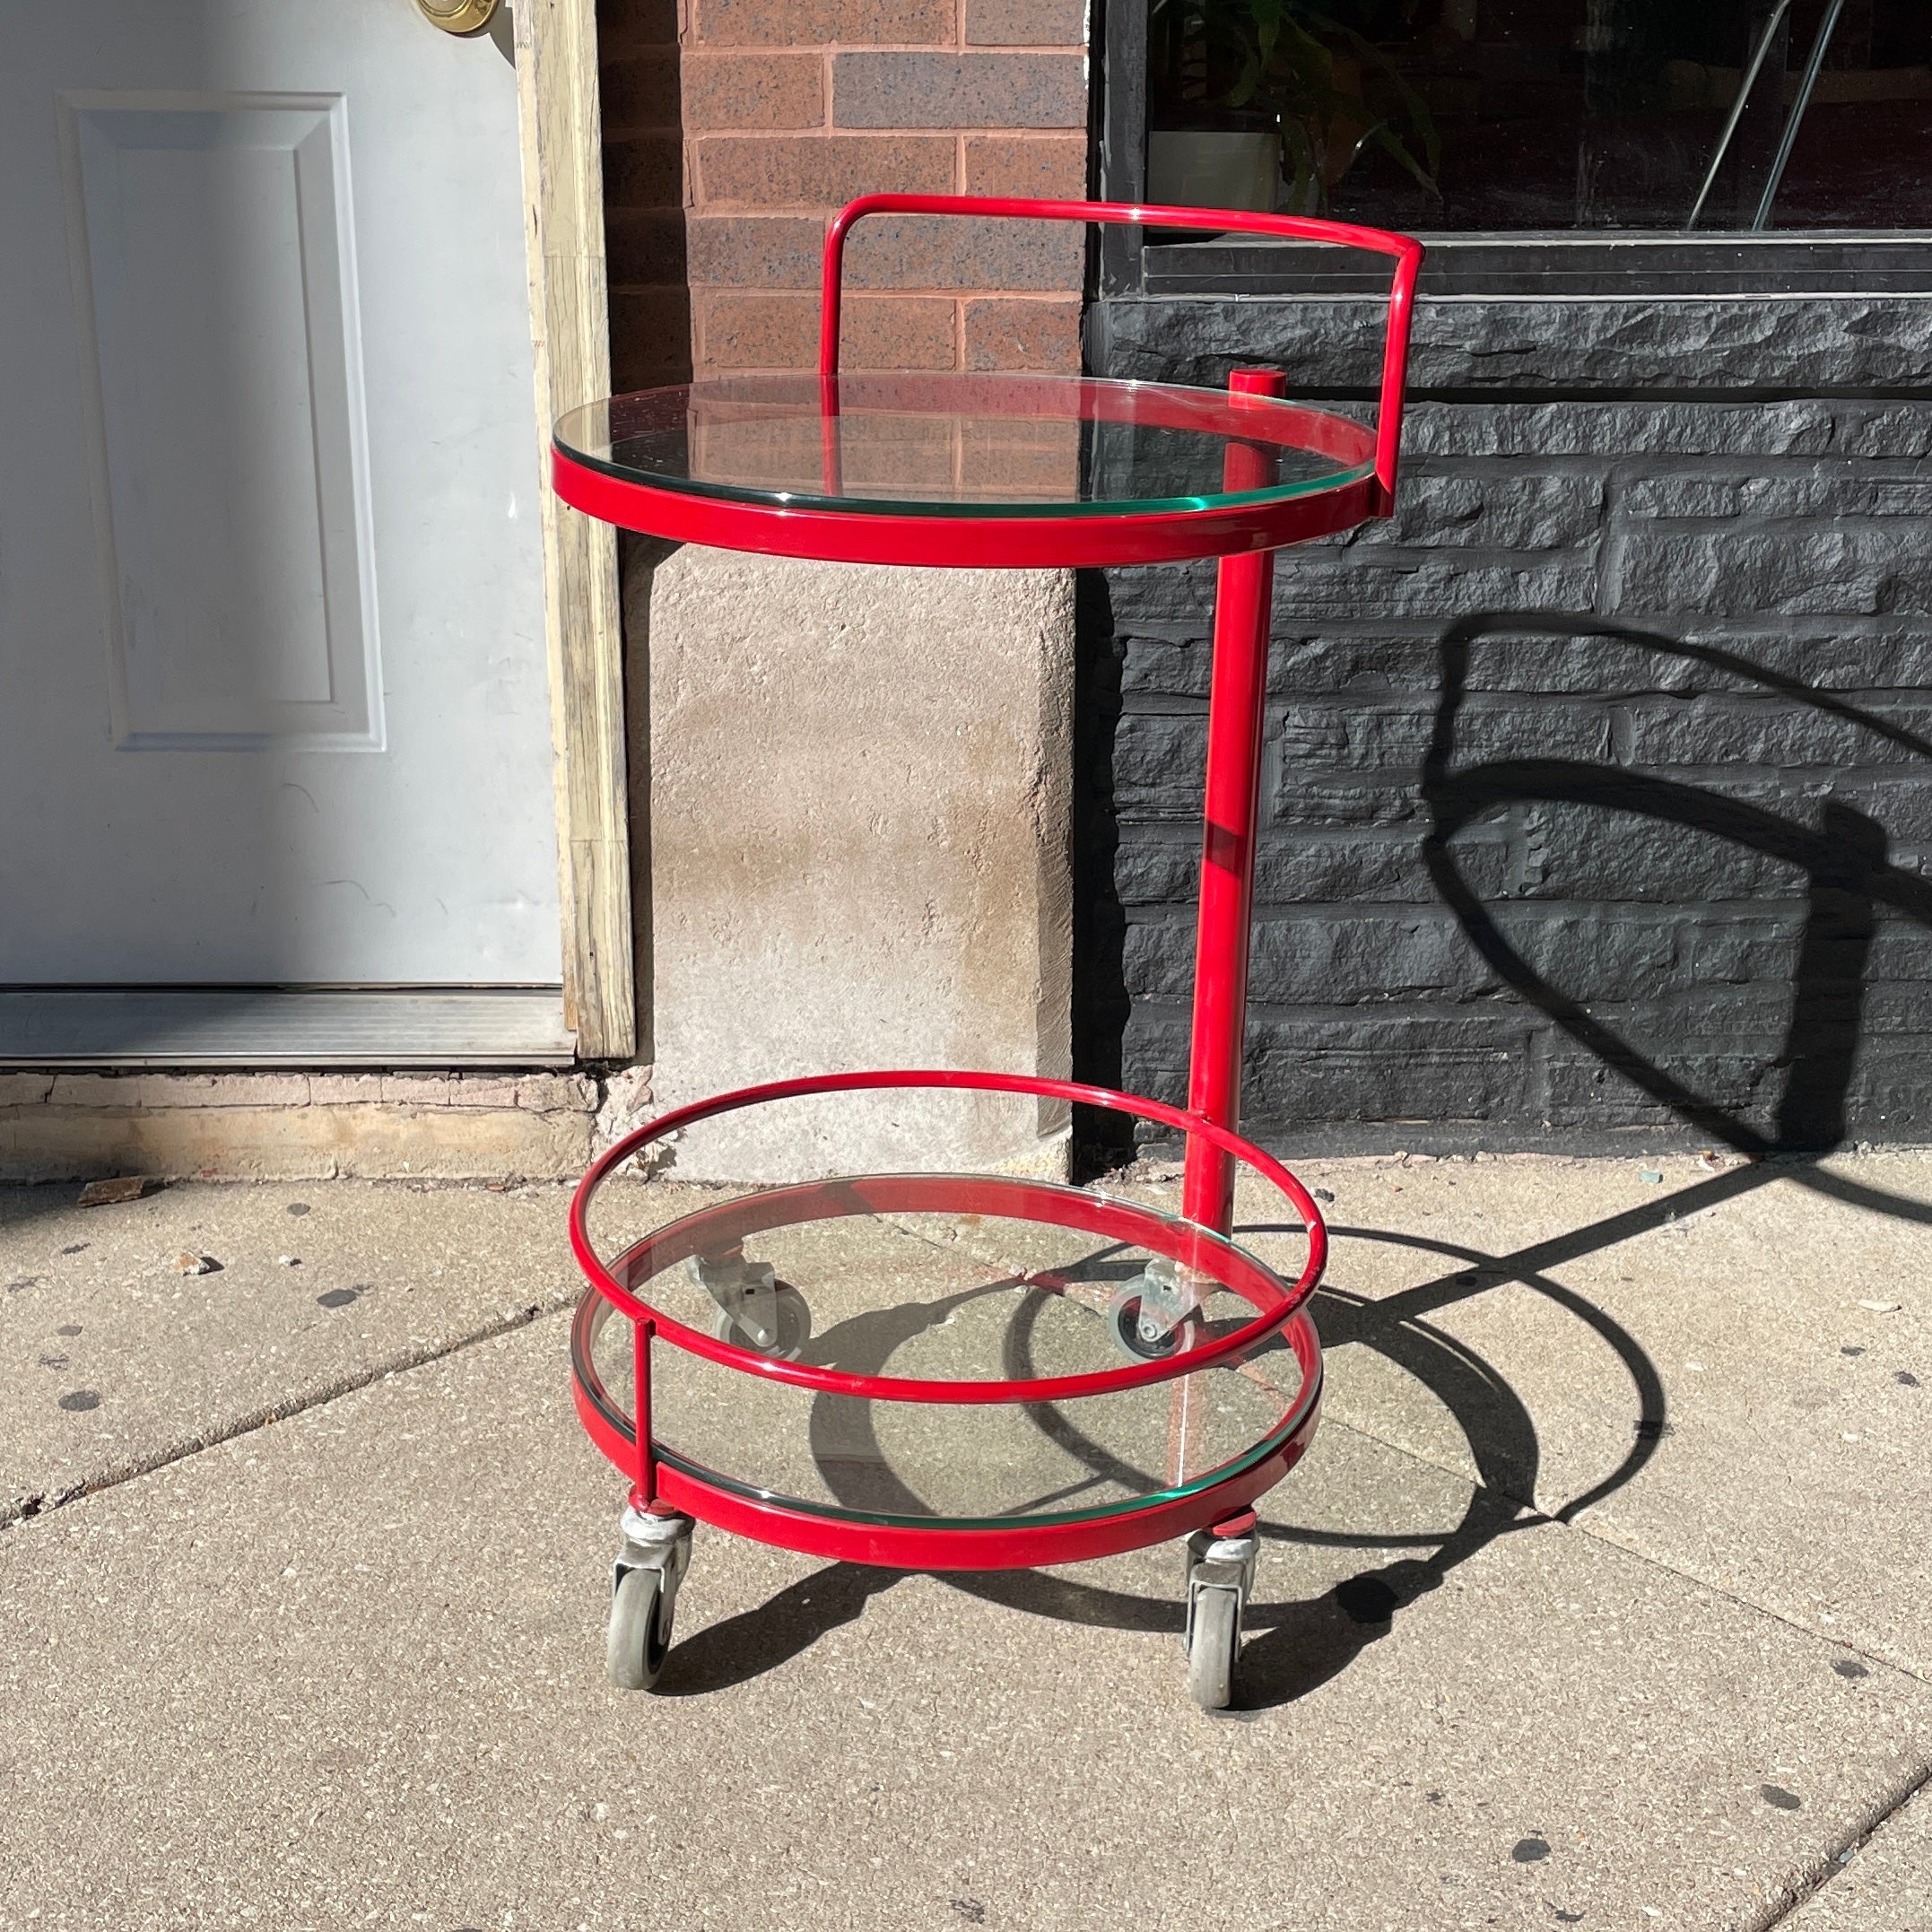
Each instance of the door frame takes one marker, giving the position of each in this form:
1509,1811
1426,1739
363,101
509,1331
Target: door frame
560,122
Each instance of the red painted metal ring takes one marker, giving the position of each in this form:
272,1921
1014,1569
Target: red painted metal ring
854,1535
971,543
1183,1240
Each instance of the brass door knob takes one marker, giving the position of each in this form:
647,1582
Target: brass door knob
457,16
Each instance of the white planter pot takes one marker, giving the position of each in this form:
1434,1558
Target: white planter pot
1193,169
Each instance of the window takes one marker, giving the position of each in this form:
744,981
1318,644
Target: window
1498,116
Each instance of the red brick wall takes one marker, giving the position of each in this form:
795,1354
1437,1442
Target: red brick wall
789,108
643,191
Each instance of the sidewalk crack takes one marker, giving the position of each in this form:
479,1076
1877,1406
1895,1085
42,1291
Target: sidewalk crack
38,1507
1535,1513
1747,1602
1832,1866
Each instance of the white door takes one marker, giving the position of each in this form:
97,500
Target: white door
273,697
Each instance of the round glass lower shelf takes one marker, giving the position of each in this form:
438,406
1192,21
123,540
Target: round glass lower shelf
818,1275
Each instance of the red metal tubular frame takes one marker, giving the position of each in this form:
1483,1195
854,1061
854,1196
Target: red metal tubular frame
851,1535
1243,535
1408,253
1237,699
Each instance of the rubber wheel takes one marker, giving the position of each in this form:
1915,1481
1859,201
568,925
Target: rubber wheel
1123,1322
794,1325
1212,1645
641,1630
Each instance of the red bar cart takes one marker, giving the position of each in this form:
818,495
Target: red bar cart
1174,1375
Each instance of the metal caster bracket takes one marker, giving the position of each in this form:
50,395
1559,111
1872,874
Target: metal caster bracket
645,1576
1221,1578
1147,1313
746,1292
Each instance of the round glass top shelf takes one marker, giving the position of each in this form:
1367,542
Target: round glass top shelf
960,448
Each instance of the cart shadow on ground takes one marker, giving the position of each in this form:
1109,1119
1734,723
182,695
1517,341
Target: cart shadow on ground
1291,1646
1850,884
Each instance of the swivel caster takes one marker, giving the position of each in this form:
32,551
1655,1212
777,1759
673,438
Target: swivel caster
644,1580
755,1309
1148,1315
1221,1576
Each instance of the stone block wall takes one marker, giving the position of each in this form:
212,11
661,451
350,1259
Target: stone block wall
858,853
735,127
1599,781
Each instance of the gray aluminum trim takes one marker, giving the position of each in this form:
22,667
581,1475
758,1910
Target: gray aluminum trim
276,1026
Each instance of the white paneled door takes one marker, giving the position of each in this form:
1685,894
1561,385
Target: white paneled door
272,699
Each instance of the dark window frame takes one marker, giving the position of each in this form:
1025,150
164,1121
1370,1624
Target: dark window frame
1526,266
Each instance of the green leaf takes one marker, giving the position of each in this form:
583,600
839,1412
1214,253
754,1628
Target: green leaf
1309,54
1390,145
1413,106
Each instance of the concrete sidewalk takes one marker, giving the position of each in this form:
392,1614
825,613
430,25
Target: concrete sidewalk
1600,1600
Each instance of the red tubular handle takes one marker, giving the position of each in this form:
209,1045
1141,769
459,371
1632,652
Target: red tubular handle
1406,251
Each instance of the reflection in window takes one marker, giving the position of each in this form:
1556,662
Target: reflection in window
1673,115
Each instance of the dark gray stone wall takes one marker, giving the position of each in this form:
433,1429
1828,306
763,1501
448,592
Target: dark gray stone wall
1598,792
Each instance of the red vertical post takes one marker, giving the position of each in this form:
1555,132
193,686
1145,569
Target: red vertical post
644,1489
1243,596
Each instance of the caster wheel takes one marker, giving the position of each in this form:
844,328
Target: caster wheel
1213,1641
793,1325
641,1611
1139,1334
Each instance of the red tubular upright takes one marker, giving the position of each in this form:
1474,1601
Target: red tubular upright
1243,598
644,1486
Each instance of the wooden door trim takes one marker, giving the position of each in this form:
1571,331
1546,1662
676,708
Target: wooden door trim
556,43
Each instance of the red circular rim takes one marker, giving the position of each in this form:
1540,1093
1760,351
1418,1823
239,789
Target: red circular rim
848,1534
978,542
1190,1241
857,530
